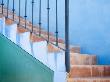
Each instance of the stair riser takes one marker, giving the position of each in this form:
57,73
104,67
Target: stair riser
89,80
2,25
80,59
40,51
107,71
10,32
75,49
24,41
56,61
90,71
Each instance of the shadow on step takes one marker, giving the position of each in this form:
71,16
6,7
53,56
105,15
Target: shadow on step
16,65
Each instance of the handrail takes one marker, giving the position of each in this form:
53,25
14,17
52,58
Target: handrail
56,23
40,17
48,19
67,50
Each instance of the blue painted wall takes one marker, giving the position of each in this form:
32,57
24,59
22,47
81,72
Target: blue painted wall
89,24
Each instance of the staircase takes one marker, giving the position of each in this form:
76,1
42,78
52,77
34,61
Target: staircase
84,67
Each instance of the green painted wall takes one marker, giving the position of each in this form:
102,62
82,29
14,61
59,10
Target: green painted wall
16,65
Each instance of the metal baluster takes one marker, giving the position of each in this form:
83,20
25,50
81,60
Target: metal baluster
67,51
19,11
7,7
40,18
25,13
48,19
32,13
13,9
56,23
2,5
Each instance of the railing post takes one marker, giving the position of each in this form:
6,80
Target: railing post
19,11
13,9
2,5
7,7
56,23
32,14
25,13
40,17
67,52
48,19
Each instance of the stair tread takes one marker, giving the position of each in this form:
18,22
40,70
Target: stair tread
1,15
82,59
93,79
9,21
90,78
90,65
35,38
21,30
89,71
52,48
73,48
82,54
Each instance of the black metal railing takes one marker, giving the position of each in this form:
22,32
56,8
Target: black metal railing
32,14
48,20
2,4
67,51
40,17
56,23
7,7
25,13
13,10
19,12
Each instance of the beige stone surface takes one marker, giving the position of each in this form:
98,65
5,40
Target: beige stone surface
90,71
96,79
82,59
35,38
9,21
21,29
52,48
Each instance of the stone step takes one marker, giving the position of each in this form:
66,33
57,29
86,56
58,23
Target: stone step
9,22
73,48
39,48
56,58
23,39
10,30
50,56
94,79
2,24
82,59
90,71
